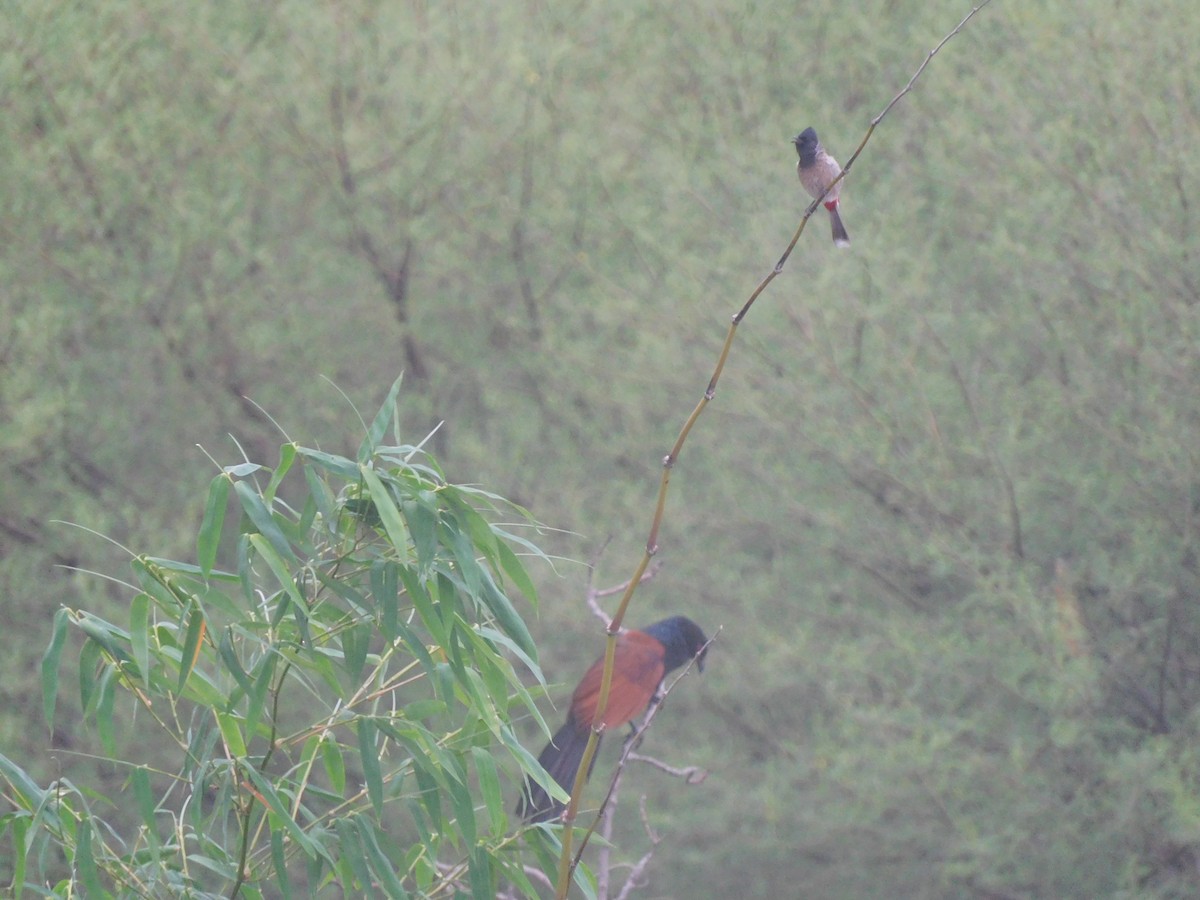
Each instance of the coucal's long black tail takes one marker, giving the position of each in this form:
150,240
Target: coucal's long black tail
561,759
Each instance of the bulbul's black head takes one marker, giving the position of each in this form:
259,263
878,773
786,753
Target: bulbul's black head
682,638
806,145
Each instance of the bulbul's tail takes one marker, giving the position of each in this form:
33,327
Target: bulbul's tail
839,230
561,759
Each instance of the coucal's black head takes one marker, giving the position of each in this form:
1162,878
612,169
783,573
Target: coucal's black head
806,145
682,638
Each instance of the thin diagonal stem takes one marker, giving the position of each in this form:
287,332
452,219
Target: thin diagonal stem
565,859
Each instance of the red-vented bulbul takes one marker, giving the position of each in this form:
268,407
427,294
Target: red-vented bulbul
817,169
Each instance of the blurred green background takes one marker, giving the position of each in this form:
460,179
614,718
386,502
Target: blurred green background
944,505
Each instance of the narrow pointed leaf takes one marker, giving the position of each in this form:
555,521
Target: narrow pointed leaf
287,455
233,664
269,796
383,868
139,635
257,512
191,646
209,537
277,565
280,860
231,733
379,425
389,514
104,711
507,616
143,795
369,759
335,766
50,661
489,787
29,795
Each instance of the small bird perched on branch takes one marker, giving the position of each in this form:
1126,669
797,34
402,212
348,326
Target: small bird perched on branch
817,170
642,659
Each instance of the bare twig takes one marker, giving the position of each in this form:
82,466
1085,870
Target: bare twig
594,594
686,774
635,878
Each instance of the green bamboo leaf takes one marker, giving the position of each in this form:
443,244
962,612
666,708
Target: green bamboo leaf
389,514
278,567
325,854
264,672
508,537
419,596
232,663
416,646
385,589
287,456
464,554
421,516
338,465
424,709
242,470
475,525
482,876
430,795
524,887
354,599
321,496
89,660
492,676
515,570
105,697
385,872
152,584
335,765
257,512
191,569
464,810
353,852
143,796
209,537
279,858
231,733
304,525
139,635
50,660
85,862
300,614
28,794
356,641
20,850
379,425
507,616
489,787
190,652
585,880
106,636
505,641
529,764
267,793
369,759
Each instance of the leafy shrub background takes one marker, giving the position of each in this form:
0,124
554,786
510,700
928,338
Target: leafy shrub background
944,504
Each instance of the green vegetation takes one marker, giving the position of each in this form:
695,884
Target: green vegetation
943,505
344,692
